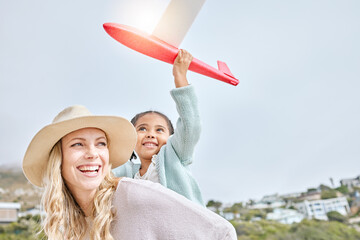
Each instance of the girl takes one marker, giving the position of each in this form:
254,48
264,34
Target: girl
72,157
166,159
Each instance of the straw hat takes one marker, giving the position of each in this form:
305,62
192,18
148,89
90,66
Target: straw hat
119,132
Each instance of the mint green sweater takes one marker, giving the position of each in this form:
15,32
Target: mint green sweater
176,155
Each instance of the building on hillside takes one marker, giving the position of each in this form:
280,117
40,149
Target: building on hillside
230,216
291,195
355,203
285,216
310,196
269,201
222,211
9,212
354,220
318,209
33,211
350,183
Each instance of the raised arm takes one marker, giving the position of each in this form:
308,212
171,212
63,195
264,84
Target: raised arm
181,65
187,131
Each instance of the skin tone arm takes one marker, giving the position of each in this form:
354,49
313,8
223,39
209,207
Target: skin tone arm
181,65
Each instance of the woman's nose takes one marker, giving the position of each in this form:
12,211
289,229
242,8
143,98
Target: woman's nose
91,153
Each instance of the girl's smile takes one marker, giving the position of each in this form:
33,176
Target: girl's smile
150,144
152,133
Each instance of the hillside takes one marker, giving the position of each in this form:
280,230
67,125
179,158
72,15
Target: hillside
14,187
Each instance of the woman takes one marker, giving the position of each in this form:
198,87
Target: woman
72,158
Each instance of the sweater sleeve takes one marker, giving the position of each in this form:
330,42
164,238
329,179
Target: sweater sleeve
188,128
128,169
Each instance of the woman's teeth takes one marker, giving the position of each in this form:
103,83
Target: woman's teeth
89,168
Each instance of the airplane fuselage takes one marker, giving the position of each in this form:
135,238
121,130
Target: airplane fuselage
156,48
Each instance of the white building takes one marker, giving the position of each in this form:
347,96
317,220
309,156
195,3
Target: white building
291,195
33,211
230,216
319,208
269,201
225,214
9,212
285,216
350,182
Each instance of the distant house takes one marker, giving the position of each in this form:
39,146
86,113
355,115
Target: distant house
291,195
269,201
222,211
310,196
285,216
355,204
230,216
33,211
319,208
9,212
350,183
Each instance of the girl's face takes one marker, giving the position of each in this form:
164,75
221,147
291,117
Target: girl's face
152,133
85,159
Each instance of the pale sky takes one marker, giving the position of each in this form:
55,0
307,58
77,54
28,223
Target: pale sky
291,123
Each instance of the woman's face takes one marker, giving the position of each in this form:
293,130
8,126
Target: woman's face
85,160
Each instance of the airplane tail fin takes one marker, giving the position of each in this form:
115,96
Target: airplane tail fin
225,69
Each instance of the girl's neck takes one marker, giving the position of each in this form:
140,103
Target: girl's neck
145,163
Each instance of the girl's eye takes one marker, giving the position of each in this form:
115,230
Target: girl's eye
76,144
160,130
142,129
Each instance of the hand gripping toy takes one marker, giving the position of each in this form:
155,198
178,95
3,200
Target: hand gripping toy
168,34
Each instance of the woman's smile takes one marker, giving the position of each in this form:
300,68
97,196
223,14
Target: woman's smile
85,159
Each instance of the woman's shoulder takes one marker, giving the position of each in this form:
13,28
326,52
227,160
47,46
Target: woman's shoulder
130,184
144,191
155,204
117,180
139,192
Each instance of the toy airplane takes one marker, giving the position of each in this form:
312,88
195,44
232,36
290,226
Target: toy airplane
162,44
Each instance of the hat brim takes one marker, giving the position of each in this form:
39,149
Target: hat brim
119,131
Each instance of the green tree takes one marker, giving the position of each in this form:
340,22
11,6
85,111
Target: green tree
249,214
26,228
216,204
336,216
343,189
326,194
235,209
324,187
311,190
305,230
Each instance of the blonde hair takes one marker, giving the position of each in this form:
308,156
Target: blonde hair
64,218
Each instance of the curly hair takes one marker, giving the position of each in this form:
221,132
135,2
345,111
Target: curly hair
139,115
64,218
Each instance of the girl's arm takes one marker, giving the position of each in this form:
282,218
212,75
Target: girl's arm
181,65
187,131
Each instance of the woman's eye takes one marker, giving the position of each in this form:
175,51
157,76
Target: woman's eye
76,144
102,144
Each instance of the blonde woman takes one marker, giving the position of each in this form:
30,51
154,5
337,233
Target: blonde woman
72,160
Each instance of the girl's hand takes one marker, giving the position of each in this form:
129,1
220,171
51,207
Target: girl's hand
181,65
